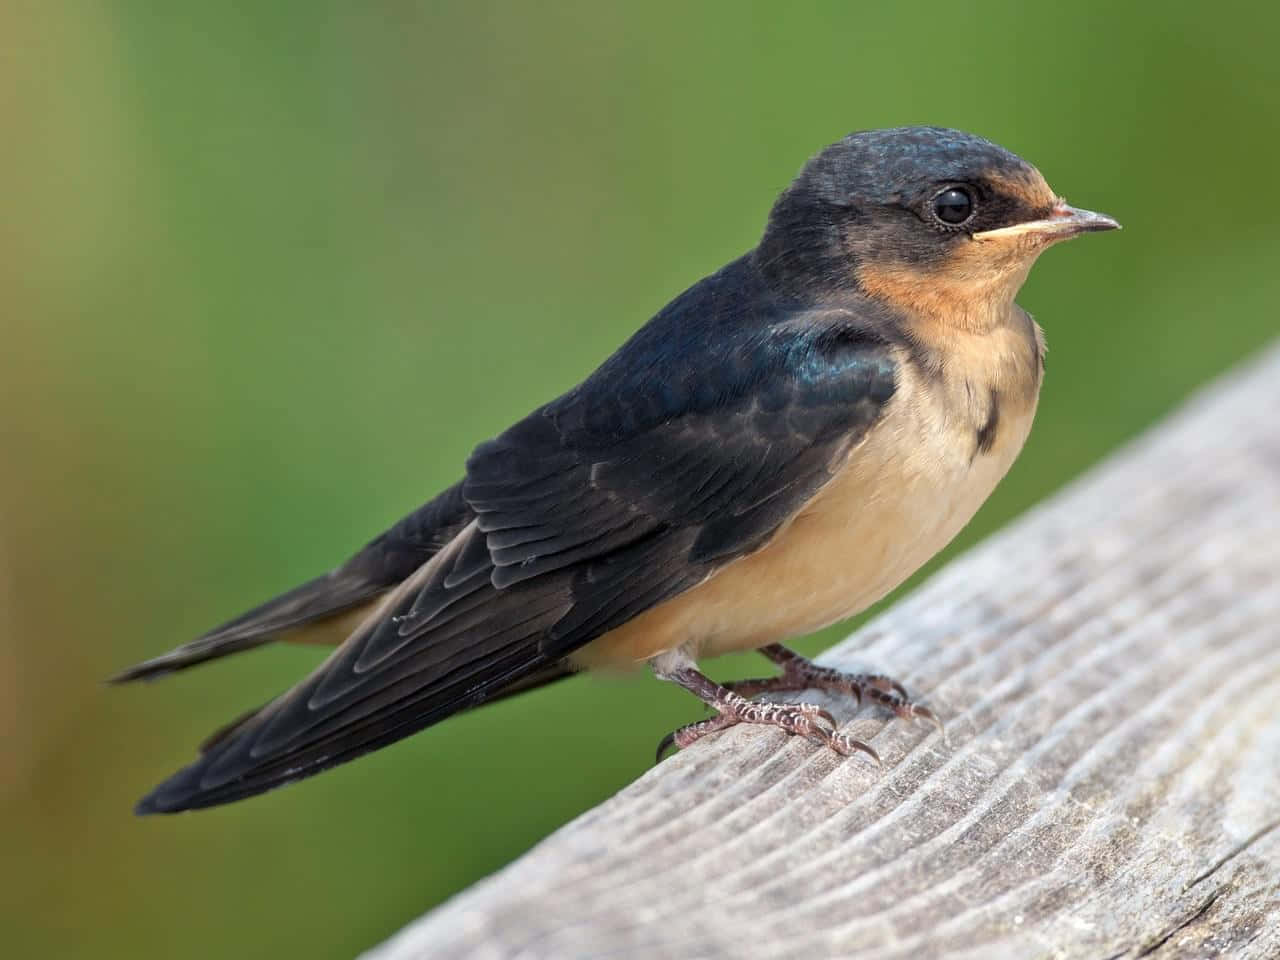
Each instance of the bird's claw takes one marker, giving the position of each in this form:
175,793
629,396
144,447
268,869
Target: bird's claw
846,745
904,708
924,713
886,684
665,744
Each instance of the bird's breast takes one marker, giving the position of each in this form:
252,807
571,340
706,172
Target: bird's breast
904,492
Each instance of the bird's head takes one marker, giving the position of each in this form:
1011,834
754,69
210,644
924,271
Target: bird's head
931,220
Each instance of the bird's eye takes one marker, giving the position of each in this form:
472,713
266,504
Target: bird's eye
953,206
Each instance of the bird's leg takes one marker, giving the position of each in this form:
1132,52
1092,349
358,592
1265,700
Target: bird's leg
800,673
807,719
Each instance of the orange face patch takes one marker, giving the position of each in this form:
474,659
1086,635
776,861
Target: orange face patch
971,285
968,290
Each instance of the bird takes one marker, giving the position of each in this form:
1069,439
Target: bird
778,448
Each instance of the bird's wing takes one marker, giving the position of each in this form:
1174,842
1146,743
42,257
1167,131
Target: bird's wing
639,484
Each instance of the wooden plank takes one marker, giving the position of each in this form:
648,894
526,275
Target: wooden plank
1109,672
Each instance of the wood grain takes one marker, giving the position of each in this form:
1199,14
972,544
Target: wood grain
1109,671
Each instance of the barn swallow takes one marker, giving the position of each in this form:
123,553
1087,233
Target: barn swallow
778,448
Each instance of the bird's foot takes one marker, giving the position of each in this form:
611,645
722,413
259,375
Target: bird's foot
800,673
806,719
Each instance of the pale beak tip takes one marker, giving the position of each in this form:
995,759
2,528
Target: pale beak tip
1086,221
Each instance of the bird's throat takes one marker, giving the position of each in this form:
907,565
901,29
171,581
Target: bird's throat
957,297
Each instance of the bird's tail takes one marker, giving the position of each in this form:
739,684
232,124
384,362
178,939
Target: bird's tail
326,609
323,610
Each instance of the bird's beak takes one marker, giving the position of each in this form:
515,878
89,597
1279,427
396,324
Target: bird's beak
1062,223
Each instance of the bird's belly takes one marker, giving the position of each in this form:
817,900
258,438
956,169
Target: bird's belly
876,523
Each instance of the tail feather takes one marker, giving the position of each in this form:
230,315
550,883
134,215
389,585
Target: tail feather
328,601
321,599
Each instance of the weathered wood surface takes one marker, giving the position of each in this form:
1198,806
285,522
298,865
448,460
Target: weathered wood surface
1109,670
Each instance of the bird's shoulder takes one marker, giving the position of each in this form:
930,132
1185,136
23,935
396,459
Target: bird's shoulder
721,417
727,343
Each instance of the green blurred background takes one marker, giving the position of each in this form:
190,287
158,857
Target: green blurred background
268,271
